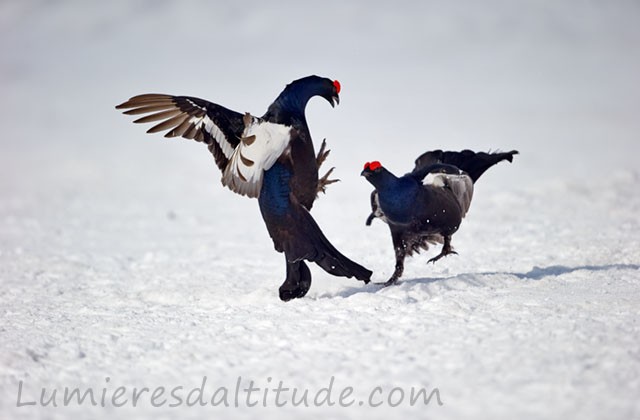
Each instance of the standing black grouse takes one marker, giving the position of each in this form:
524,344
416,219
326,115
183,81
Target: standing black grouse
272,158
426,206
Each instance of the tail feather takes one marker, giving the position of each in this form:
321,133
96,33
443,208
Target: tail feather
473,163
321,251
294,231
297,235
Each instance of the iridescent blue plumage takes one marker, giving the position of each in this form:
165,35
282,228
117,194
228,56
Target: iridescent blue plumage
396,196
274,195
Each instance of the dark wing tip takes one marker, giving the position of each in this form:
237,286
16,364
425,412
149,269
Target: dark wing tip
370,219
511,153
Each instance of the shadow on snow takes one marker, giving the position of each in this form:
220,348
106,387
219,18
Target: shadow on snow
536,273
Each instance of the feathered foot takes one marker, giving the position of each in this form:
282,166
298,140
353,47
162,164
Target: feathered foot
446,250
400,248
392,280
297,283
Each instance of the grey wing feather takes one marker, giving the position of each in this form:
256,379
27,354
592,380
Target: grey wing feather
462,188
459,183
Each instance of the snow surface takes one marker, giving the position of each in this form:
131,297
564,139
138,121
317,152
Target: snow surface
122,256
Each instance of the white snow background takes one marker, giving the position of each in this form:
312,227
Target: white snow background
123,257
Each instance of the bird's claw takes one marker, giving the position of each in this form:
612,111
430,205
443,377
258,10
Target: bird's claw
390,282
393,280
320,158
322,154
442,254
324,181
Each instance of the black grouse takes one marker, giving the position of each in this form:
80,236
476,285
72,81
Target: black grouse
426,206
270,157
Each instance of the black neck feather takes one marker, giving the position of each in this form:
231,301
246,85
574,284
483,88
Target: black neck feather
290,105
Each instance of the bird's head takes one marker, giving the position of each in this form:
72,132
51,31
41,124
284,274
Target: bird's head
311,86
377,175
293,99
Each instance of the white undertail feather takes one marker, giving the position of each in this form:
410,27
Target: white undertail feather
261,145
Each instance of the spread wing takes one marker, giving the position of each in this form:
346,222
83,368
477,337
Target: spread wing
191,118
473,163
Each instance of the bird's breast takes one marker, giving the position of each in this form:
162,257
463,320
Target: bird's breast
274,194
398,204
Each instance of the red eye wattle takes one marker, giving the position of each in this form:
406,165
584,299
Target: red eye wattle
374,165
336,84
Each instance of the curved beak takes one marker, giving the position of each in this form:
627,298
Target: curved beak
364,173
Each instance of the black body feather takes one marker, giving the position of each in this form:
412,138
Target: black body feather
287,187
426,206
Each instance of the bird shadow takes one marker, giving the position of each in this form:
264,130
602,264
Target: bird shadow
536,273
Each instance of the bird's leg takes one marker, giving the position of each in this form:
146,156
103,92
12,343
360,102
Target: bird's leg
321,157
397,273
400,249
446,250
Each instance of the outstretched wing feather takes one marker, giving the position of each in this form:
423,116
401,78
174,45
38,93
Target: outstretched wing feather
191,118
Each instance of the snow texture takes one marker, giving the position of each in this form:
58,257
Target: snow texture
123,257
